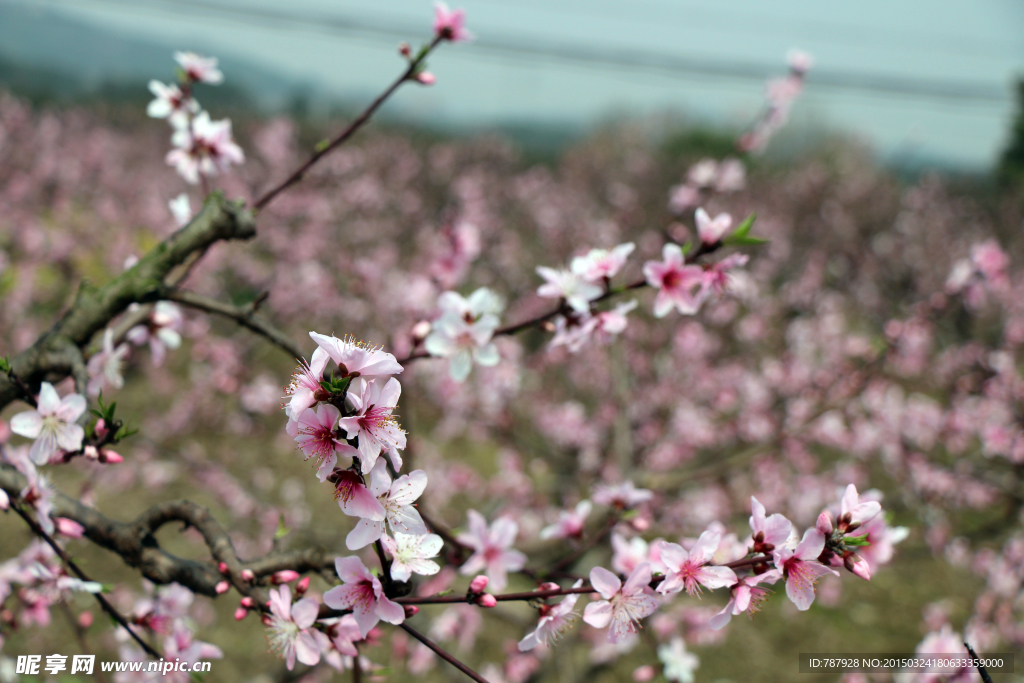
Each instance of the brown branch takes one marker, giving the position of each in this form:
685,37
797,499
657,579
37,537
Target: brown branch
58,352
243,315
440,652
359,122
104,603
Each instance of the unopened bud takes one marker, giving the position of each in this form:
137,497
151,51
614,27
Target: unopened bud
857,565
110,457
284,576
85,619
404,49
302,586
549,586
824,524
411,611
266,619
426,78
420,330
223,568
478,584
248,602
487,600
100,429
69,527
222,587
241,613
248,575
644,673
91,453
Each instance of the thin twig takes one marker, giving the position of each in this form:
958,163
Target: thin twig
981,670
358,123
440,652
243,315
571,558
107,607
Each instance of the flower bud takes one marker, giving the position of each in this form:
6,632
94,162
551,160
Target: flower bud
90,453
284,576
487,600
644,673
110,457
85,619
222,587
411,611
223,568
241,613
302,586
248,575
420,330
426,78
248,603
69,527
857,565
478,584
404,49
266,620
824,524
100,430
548,587
5,502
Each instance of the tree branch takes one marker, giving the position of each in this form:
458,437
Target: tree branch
243,315
58,352
440,652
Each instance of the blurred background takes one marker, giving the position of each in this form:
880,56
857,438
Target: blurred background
924,82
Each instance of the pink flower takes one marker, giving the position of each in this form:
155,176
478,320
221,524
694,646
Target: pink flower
801,567
599,264
628,554
411,554
199,69
463,332
288,627
344,634
570,522
622,496
768,532
106,366
314,433
624,605
5,501
746,595
853,513
52,424
675,283
373,402
716,278
363,594
683,197
181,644
161,331
688,568
204,148
712,230
357,359
799,61
353,497
171,104
575,331
449,24
305,389
397,500
492,549
574,289
554,621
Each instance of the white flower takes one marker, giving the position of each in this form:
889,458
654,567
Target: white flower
171,104
205,148
411,554
397,500
679,663
554,621
181,209
105,367
601,263
51,424
564,284
712,230
464,331
199,69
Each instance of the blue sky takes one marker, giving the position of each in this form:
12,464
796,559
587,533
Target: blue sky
972,49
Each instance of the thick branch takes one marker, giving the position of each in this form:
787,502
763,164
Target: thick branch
243,315
58,352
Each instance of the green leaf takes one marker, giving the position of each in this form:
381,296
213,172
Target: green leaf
861,541
5,364
282,530
322,145
743,241
743,229
687,248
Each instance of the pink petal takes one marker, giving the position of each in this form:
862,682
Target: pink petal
304,613
306,650
391,612
351,570
365,532
606,583
598,614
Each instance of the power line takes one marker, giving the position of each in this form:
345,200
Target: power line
586,55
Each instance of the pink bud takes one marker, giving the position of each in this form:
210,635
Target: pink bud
641,523
240,613
248,603
420,330
222,587
284,576
426,78
824,524
69,527
85,619
248,575
5,502
404,49
110,457
91,453
101,429
223,568
411,611
857,565
644,673
478,584
487,600
548,587
302,586
266,619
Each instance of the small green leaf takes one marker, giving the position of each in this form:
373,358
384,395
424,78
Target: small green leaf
282,530
322,145
744,241
5,364
444,593
687,248
743,229
857,540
